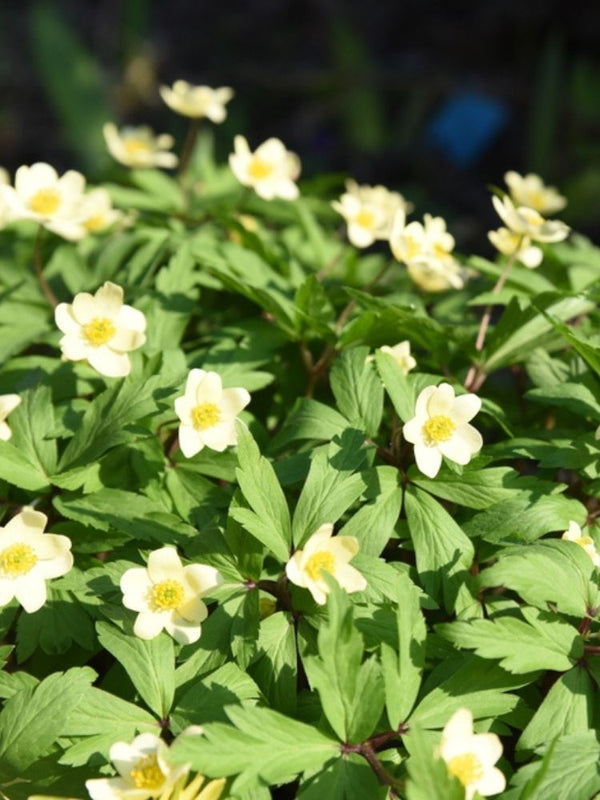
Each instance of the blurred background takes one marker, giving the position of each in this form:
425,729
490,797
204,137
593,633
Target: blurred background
434,99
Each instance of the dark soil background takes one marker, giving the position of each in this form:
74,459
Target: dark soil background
435,99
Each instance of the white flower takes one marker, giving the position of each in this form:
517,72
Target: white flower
325,553
8,403
470,757
97,211
440,428
574,534
369,212
427,252
139,147
526,221
4,176
401,354
207,413
531,191
197,101
101,330
168,595
29,557
39,194
143,768
271,170
511,244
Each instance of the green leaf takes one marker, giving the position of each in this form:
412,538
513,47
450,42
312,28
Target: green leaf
309,419
98,721
347,778
525,517
31,423
244,629
374,523
34,718
466,681
522,326
149,664
396,385
332,486
403,667
163,187
549,571
573,396
474,488
269,520
523,643
275,666
587,349
55,627
139,516
443,552
571,772
357,389
350,691
16,469
259,743
207,699
567,708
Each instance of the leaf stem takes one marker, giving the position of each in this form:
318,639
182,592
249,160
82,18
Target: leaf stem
476,375
188,147
38,265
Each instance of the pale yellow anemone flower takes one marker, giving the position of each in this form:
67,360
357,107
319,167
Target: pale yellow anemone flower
426,249
101,330
440,428
139,147
208,413
40,195
401,354
197,101
531,191
369,212
324,553
168,595
8,403
526,221
143,771
97,211
575,534
511,244
270,170
470,756
29,557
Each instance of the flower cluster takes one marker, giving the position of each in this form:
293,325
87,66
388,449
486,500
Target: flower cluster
521,212
369,212
58,203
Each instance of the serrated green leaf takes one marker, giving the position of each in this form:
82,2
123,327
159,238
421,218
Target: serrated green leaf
549,571
347,778
259,743
357,389
534,640
443,552
275,666
149,664
34,718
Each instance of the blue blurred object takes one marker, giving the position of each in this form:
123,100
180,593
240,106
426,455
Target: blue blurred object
465,126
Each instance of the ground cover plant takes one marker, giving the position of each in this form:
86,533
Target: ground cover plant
296,500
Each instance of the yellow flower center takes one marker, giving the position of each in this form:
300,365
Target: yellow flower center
135,146
95,223
320,562
438,429
259,169
99,331
440,252
166,595
413,248
584,541
537,199
466,767
532,217
205,415
18,559
365,218
45,201
147,774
